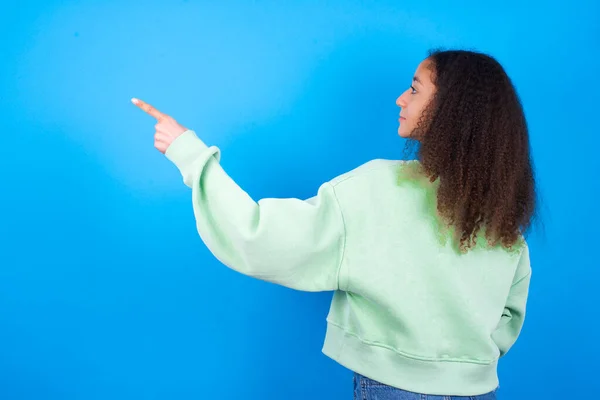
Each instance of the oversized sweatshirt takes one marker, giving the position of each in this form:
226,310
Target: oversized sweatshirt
408,308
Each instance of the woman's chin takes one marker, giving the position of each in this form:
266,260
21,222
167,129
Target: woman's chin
403,133
408,134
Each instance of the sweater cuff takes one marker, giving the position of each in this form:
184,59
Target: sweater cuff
185,149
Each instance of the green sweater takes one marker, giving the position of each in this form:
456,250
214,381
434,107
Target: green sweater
408,309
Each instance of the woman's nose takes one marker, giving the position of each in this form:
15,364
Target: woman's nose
401,101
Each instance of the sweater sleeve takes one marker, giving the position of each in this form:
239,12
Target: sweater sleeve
513,317
290,242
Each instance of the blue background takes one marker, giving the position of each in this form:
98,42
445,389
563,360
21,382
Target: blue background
107,292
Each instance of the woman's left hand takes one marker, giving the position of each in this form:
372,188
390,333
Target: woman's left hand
167,129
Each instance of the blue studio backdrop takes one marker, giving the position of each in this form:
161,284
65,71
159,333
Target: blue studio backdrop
106,290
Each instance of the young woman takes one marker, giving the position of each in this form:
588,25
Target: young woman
427,258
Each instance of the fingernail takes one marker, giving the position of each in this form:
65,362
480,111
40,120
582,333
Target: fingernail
134,100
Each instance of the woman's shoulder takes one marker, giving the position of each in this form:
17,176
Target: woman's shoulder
373,168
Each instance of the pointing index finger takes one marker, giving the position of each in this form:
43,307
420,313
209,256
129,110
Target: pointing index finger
148,108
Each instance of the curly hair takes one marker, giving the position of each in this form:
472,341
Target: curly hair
473,137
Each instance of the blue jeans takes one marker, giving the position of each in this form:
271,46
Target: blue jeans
368,389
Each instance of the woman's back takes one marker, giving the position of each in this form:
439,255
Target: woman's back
411,305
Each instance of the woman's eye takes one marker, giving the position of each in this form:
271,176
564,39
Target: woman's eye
413,90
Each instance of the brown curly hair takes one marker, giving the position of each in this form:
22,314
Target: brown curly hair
473,137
